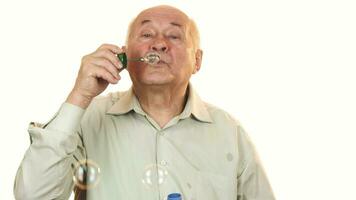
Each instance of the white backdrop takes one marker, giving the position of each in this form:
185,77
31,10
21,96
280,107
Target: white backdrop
285,69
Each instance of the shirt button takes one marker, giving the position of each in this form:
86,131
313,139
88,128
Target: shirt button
163,162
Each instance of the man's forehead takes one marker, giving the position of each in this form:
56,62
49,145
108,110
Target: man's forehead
168,15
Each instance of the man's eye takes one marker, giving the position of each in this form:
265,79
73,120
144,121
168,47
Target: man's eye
146,35
174,37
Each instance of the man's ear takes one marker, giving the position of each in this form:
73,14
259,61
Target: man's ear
198,60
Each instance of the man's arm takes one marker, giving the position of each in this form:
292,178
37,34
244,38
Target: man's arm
46,171
252,182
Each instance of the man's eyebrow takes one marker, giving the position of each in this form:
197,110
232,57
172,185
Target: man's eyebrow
145,21
176,24
172,23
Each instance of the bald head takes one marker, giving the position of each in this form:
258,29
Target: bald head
165,11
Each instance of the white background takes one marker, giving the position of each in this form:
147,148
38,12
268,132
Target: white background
285,69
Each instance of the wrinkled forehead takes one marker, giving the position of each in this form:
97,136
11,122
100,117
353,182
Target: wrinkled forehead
162,16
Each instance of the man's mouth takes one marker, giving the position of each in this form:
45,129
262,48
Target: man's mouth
155,58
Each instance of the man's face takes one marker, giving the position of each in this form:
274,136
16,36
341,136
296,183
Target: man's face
164,31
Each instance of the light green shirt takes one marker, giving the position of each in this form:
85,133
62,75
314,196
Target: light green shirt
204,153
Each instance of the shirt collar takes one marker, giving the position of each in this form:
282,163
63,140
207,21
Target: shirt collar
127,101
196,107
124,103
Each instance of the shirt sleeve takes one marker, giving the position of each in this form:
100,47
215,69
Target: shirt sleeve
46,169
252,182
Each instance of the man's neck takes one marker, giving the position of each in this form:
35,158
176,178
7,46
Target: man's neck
161,103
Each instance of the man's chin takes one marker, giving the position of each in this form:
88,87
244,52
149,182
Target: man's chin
156,82
157,79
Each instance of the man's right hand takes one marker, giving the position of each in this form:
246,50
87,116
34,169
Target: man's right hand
97,70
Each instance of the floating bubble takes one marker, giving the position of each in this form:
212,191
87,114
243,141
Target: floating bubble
86,174
154,175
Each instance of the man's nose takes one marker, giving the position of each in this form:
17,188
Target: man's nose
159,45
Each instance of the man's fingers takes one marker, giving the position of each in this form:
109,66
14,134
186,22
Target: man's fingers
113,48
105,63
97,70
109,55
100,72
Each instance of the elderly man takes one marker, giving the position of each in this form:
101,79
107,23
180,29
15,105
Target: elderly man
157,138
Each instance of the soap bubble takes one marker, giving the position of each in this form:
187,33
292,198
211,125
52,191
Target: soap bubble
151,58
86,174
154,175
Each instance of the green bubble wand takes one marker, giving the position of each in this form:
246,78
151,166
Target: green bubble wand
150,58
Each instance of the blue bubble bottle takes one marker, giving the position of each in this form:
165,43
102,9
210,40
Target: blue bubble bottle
174,196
